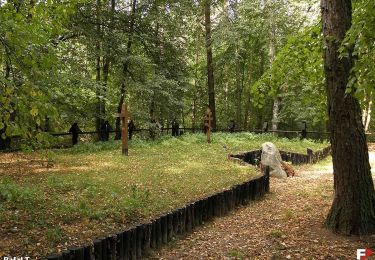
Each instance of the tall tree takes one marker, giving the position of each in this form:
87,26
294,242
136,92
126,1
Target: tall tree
107,60
125,66
99,103
353,208
210,66
366,112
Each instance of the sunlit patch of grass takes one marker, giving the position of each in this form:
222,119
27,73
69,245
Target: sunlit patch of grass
324,165
288,214
277,233
237,254
19,196
325,191
304,193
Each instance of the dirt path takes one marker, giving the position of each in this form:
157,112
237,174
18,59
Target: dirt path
286,224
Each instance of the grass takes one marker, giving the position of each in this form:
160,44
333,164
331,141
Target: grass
92,189
277,233
237,254
288,214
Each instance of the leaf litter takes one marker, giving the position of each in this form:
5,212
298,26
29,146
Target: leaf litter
288,223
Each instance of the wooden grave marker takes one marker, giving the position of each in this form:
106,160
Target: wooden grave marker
208,122
124,116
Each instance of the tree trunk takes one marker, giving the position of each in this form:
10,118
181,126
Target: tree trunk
226,98
366,113
98,94
276,112
259,118
247,93
157,60
196,86
352,211
107,59
247,110
239,80
194,113
152,108
368,118
106,65
99,120
5,141
210,66
125,68
277,100
226,7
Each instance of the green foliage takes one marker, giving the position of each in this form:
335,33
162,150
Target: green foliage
49,52
248,32
297,73
30,52
361,38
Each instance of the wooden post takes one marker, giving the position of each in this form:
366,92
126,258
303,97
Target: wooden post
124,116
208,125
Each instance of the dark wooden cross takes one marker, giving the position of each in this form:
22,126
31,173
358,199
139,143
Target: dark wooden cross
124,116
208,123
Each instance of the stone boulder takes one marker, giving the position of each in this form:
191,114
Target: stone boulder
271,157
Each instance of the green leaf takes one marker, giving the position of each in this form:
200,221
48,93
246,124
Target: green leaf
34,111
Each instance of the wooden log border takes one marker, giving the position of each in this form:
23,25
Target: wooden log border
135,242
253,157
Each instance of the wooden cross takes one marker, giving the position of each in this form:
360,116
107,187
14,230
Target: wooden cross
124,116
208,123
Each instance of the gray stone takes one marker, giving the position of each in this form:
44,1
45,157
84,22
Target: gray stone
271,157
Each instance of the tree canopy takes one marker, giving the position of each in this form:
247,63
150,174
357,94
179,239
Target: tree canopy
78,61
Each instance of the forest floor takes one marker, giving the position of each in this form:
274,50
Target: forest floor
286,224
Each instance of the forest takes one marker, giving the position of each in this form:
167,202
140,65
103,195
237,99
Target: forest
76,67
249,61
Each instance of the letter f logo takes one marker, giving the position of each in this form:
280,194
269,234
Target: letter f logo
362,254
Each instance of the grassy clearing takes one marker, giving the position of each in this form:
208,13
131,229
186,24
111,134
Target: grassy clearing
91,190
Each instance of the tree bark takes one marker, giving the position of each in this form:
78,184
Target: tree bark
125,68
247,94
210,66
107,59
157,60
277,100
366,116
272,54
196,86
99,120
106,65
247,110
352,211
5,141
239,88
276,112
